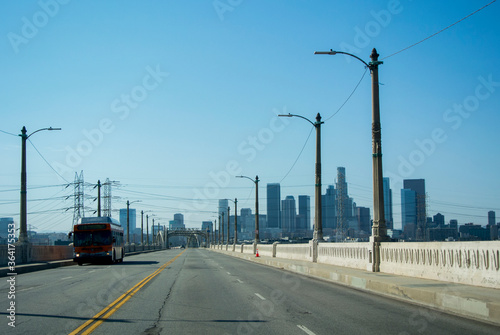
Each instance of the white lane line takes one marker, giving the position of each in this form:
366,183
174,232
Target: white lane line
66,278
91,271
229,273
306,330
240,281
25,289
260,296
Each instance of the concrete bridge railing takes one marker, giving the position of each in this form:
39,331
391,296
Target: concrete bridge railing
470,263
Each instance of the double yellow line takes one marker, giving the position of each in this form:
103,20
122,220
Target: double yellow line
89,326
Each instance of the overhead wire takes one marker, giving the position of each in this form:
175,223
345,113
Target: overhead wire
440,31
336,112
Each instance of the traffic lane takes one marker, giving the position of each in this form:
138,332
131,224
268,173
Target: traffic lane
193,296
140,313
328,308
61,299
208,300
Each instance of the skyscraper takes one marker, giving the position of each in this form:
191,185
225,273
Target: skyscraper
273,205
288,215
131,223
418,186
389,220
408,213
491,218
363,214
304,217
328,205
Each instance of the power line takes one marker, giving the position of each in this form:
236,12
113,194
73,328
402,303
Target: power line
5,132
300,153
47,162
440,31
350,95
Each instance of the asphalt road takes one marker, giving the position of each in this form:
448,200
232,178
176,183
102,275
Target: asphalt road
197,291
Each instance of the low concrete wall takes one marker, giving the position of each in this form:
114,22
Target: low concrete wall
471,263
42,253
34,253
47,253
351,255
301,251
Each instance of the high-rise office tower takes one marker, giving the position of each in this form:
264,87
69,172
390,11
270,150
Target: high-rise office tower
418,186
304,217
288,215
273,205
132,219
179,218
389,220
328,206
408,212
491,218
363,214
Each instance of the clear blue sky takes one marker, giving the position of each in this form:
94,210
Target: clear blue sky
174,98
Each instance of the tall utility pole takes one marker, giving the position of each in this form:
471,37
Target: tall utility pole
318,224
235,223
142,229
218,239
228,216
153,232
222,220
147,229
128,222
99,201
256,181
379,228
23,231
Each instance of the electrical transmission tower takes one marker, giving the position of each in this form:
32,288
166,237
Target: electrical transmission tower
106,210
78,196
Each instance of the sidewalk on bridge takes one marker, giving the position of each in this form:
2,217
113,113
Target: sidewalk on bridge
473,302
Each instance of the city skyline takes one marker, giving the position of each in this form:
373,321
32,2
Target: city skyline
172,101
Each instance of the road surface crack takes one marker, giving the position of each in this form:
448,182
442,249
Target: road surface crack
155,329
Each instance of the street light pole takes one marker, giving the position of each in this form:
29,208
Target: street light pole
23,231
318,220
228,216
128,220
222,220
256,181
142,229
379,228
235,222
218,239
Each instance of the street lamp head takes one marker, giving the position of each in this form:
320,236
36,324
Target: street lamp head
50,128
331,52
285,115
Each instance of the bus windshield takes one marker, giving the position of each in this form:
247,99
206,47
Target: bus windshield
88,238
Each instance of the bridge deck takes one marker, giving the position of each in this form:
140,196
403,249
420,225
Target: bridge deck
479,303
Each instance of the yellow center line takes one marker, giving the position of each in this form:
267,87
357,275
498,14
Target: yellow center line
98,319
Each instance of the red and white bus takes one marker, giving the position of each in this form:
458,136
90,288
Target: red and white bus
97,239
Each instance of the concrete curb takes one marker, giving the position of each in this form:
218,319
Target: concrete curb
478,303
25,268
32,267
